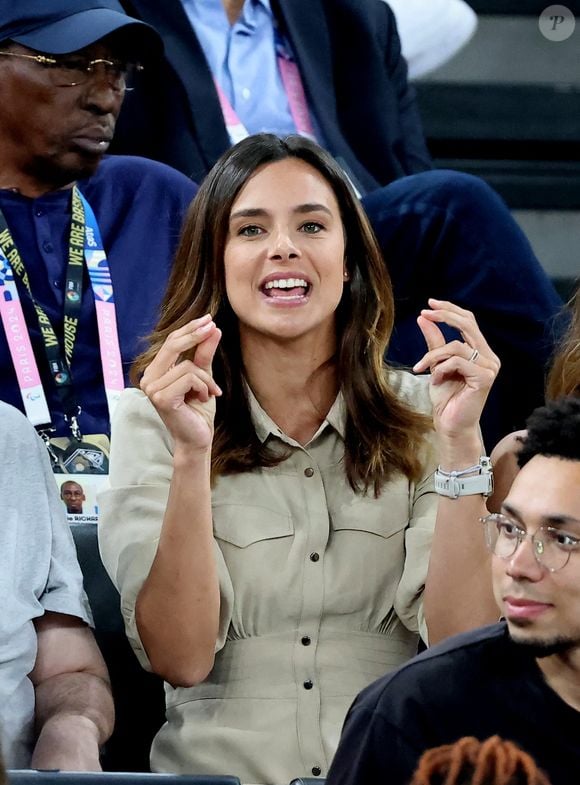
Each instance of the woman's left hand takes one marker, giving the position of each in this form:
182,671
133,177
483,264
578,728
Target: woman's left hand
462,372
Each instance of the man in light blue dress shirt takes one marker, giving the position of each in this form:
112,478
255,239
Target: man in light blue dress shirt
242,59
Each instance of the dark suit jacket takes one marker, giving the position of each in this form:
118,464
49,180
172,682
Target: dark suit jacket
349,56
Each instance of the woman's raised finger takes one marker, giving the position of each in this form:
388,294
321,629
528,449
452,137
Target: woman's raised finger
476,376
178,342
459,318
456,348
151,385
172,396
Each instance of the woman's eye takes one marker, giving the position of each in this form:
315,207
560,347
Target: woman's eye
250,231
312,227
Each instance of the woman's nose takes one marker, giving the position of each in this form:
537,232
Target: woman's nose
282,246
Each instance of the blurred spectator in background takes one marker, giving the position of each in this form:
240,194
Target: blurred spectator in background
335,71
564,376
563,379
432,32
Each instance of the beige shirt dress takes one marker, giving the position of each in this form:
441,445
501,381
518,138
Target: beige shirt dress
321,590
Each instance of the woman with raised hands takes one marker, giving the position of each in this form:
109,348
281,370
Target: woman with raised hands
273,525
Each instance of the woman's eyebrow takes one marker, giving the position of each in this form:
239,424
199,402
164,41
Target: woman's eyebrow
312,207
259,212
248,212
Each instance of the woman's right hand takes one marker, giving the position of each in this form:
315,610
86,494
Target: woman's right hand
183,391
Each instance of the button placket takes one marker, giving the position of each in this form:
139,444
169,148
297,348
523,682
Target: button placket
318,530
46,247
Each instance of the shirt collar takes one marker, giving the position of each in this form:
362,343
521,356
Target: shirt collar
253,12
211,4
264,3
265,426
336,417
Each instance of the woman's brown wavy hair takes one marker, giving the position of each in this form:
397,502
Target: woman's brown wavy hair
383,434
473,762
564,376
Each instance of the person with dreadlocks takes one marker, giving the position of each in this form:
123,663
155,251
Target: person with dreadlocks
469,761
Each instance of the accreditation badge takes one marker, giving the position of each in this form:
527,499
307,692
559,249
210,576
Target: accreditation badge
81,471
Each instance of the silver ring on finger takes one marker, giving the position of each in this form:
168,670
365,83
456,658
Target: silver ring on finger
474,356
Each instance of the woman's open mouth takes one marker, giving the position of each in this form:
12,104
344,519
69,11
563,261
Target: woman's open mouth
287,290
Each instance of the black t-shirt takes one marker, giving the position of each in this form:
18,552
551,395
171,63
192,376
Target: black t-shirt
476,684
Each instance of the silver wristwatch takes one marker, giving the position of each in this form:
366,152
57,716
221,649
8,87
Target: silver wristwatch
455,484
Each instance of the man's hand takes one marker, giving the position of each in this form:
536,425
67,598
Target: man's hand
74,708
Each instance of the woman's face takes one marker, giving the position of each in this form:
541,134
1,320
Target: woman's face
284,253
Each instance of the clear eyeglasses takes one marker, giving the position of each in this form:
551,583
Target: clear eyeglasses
551,545
73,70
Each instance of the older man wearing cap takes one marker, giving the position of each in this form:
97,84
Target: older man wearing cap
85,243
85,248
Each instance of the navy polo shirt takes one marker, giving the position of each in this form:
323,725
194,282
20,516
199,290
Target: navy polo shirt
139,205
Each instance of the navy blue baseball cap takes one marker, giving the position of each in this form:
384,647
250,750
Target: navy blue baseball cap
62,26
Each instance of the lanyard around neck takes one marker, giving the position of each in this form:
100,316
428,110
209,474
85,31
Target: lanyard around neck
85,246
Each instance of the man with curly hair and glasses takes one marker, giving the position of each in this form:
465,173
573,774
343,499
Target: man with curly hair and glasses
520,678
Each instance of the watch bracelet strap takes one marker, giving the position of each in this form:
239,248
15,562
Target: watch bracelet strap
453,484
